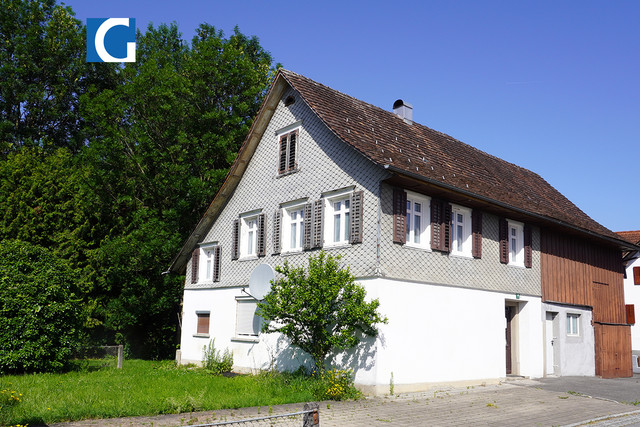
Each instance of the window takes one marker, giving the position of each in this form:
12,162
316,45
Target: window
205,264
202,326
515,243
248,236
287,152
461,231
573,324
417,220
636,275
338,220
292,232
247,323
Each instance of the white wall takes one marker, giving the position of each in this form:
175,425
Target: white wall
632,296
435,334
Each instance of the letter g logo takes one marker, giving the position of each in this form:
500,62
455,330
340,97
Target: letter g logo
111,40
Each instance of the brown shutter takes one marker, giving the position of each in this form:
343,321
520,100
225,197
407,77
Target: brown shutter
195,259
318,210
504,242
216,264
203,323
235,240
262,241
476,236
307,227
436,224
528,252
277,236
355,217
282,155
293,143
446,228
631,314
636,275
399,216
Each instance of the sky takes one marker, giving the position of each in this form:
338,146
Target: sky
552,86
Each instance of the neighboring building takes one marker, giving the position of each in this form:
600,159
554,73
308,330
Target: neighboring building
483,269
632,293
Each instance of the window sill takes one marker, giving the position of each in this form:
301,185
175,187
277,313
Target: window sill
201,335
248,258
287,253
462,255
516,265
249,339
417,248
291,172
336,246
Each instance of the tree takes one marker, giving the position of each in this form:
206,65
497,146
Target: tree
321,309
40,318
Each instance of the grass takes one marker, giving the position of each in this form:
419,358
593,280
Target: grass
143,388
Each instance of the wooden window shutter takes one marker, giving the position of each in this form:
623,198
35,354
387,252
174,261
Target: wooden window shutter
636,275
631,314
277,237
195,260
446,228
293,145
203,323
476,233
282,155
528,252
318,210
504,241
307,227
355,217
436,224
262,241
216,264
235,241
399,216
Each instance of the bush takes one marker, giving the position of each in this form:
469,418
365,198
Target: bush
40,317
336,384
214,362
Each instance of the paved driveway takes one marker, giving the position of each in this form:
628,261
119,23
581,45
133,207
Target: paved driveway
625,390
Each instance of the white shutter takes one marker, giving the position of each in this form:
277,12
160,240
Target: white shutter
247,323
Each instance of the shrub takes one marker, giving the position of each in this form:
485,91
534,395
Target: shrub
215,362
40,316
335,384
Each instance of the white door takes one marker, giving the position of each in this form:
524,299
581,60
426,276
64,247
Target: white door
550,340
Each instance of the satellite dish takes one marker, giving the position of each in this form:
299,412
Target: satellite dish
260,281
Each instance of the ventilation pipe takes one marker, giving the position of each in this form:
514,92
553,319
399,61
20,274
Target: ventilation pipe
403,110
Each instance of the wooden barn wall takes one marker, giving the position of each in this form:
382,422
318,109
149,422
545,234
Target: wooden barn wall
575,271
613,351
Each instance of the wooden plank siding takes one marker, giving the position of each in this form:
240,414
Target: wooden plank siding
574,271
578,272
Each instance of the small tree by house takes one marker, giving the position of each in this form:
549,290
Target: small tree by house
319,309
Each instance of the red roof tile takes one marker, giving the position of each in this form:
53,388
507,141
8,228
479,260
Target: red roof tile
630,236
414,149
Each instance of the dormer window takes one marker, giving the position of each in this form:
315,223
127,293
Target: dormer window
287,152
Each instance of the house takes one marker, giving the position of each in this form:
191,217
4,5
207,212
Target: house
483,269
632,293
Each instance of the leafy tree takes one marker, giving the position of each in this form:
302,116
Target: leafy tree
40,318
321,309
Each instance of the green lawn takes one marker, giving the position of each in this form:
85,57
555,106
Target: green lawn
142,388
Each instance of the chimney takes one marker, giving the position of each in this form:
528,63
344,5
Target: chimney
404,111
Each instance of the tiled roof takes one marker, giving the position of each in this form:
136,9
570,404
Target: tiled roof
417,150
630,236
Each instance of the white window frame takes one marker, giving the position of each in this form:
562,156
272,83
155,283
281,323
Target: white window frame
461,231
424,233
573,325
249,235
247,329
515,242
287,227
343,220
207,262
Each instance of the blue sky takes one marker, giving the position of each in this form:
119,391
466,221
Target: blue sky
552,86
